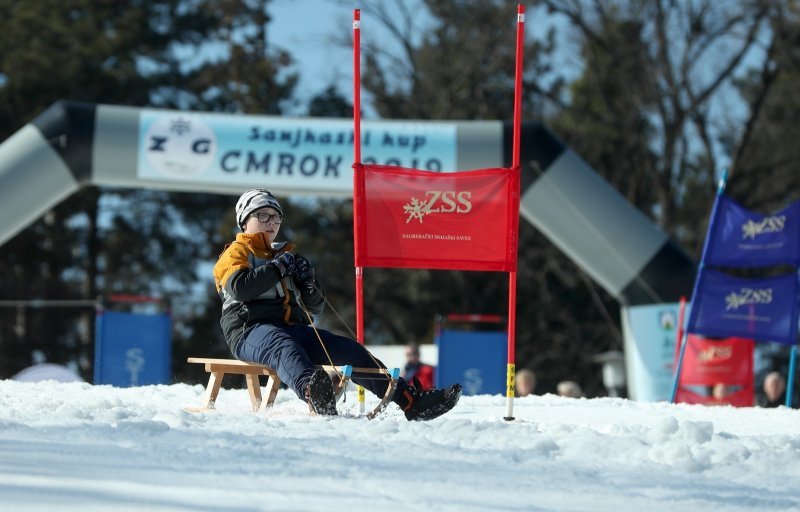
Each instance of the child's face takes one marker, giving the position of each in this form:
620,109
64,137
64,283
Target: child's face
266,220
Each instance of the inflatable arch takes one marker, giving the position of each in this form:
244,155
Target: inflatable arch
72,145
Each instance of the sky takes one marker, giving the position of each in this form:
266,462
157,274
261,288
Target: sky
307,29
74,446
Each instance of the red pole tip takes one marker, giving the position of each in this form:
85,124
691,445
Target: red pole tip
356,14
520,9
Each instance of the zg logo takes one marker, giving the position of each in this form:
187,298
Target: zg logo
180,146
438,201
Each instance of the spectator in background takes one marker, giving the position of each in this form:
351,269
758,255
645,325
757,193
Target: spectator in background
773,391
569,389
525,382
416,369
721,391
725,394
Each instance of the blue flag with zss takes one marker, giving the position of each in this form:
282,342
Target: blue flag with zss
763,309
743,238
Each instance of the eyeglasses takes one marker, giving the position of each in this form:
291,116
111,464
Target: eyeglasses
266,218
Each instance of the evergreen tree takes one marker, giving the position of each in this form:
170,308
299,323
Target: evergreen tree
673,62
160,53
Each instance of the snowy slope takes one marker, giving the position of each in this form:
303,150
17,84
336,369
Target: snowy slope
73,446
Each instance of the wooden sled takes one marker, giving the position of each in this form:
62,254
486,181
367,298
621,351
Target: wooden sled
217,368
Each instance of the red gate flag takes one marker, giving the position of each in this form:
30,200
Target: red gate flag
708,362
711,363
409,218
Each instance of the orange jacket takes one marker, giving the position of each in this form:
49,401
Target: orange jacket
252,291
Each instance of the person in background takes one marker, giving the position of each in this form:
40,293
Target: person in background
269,298
416,369
720,391
773,391
569,389
525,382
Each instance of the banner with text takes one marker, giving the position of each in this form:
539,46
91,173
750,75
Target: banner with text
410,218
300,154
709,362
744,238
761,309
716,372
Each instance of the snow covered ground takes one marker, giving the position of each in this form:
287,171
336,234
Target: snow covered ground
73,446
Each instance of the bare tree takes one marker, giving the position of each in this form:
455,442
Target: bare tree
766,155
695,50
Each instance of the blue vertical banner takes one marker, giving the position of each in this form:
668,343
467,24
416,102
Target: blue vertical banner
132,349
475,359
745,238
762,309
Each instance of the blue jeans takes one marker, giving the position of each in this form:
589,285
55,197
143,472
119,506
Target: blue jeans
293,351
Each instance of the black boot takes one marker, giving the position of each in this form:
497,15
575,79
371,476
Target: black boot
426,405
319,394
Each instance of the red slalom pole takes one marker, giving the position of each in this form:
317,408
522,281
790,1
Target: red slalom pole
357,86
357,180
512,276
518,83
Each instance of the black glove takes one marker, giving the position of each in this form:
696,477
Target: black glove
302,269
284,263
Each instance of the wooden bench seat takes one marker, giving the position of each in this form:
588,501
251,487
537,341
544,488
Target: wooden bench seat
217,368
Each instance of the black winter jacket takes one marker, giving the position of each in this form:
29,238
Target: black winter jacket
252,291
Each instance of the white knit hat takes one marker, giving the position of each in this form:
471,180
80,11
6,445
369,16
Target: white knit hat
252,200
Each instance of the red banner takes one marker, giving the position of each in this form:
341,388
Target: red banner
722,369
708,362
408,218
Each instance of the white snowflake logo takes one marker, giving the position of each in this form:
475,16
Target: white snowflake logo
733,301
416,209
180,126
750,229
